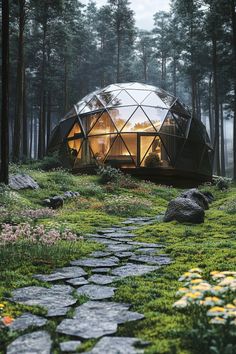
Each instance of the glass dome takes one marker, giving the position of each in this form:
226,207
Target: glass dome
134,125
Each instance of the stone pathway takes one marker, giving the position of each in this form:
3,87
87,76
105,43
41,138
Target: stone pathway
99,317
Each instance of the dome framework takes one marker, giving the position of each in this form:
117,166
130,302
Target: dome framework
134,126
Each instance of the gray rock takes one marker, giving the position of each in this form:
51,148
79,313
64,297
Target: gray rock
96,292
27,320
100,254
121,235
70,346
117,345
159,260
54,202
58,311
95,319
22,181
101,270
97,262
61,273
56,299
198,197
77,281
124,254
31,343
104,241
131,269
184,210
107,231
70,194
146,250
102,279
209,196
145,244
120,248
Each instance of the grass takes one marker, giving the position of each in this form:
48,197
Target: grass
210,246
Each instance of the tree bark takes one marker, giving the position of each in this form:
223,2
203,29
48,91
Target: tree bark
216,105
25,123
18,124
233,19
4,173
222,141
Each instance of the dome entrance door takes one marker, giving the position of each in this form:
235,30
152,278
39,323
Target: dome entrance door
151,152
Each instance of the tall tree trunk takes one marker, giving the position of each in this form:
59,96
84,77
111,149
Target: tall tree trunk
216,105
118,74
48,117
5,94
42,112
211,118
66,95
175,75
25,123
18,126
233,17
222,141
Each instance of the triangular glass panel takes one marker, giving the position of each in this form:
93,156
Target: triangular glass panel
138,86
182,122
170,126
107,97
122,99
74,145
89,121
125,85
165,97
145,144
121,115
92,105
66,126
104,125
156,156
173,145
100,145
154,101
180,110
112,87
119,154
130,140
138,95
139,123
155,115
75,130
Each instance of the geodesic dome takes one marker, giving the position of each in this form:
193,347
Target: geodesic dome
133,125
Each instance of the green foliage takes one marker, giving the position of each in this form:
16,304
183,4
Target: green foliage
108,174
49,162
222,183
126,206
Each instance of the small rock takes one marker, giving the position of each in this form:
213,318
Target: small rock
96,292
100,254
70,346
131,269
22,181
31,343
27,320
102,279
101,270
118,345
184,210
97,262
77,281
159,260
62,273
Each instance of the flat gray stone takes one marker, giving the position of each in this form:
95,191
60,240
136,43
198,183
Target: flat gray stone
97,262
122,240
96,292
121,235
117,345
27,320
56,299
145,244
100,254
131,269
160,260
31,343
124,254
104,241
120,248
102,279
101,270
95,319
107,231
62,273
146,250
128,228
77,281
70,346
22,181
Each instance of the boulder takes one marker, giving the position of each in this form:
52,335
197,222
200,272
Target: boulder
197,196
70,194
209,196
184,210
22,181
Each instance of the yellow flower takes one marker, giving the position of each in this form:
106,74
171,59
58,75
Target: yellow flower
182,291
195,295
216,311
196,281
217,320
182,303
214,272
195,270
230,307
211,301
2,306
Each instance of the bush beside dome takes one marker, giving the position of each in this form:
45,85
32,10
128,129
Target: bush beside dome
136,127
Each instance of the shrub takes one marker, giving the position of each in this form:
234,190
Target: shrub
152,160
211,307
108,174
48,163
126,205
222,183
229,206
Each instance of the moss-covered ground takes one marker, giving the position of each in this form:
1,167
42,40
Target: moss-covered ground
210,246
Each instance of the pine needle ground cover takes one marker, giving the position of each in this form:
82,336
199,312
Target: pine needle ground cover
210,247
